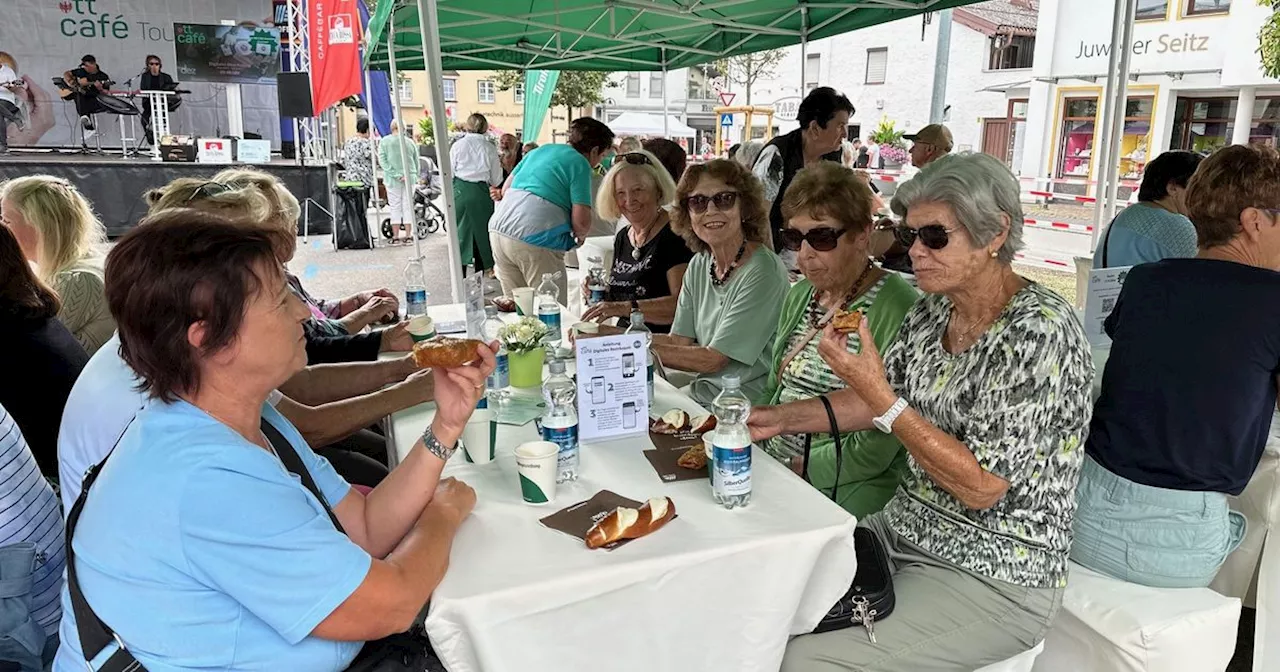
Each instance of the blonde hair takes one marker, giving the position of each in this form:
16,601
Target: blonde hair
629,144
607,203
63,218
284,203
7,59
238,193
476,123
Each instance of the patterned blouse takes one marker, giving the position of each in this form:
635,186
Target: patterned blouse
84,309
1019,398
358,160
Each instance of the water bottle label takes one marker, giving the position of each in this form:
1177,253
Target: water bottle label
732,474
552,320
415,302
501,376
596,296
483,403
567,439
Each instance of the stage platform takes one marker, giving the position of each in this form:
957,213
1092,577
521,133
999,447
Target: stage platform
115,185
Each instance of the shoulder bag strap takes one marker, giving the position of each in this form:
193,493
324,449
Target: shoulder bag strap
294,464
94,634
1105,238
835,436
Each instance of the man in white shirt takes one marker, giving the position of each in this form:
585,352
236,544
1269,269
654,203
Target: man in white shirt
327,403
476,168
9,112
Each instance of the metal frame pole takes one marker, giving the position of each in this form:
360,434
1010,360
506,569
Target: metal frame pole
400,129
373,150
804,48
666,111
1117,98
429,25
941,58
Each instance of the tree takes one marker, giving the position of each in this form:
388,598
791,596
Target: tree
574,88
1269,40
746,69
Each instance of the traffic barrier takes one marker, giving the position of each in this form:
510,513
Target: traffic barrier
1060,226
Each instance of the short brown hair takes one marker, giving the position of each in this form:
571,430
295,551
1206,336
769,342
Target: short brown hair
828,189
22,295
751,203
670,153
586,134
174,269
1230,180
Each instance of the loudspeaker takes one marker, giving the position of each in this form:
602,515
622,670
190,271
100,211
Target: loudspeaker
293,89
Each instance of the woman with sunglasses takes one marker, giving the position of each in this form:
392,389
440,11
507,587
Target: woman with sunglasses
649,259
734,287
58,232
828,210
988,388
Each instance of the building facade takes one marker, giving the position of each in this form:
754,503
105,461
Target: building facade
690,98
1195,84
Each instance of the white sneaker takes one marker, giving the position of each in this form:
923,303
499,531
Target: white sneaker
88,134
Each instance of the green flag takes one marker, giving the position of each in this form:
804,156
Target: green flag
538,87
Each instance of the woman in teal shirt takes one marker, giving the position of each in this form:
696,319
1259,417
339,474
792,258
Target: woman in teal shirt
734,287
828,211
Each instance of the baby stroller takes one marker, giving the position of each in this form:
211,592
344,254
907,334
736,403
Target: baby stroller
426,215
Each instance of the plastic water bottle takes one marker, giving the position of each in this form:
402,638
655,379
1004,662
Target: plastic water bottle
596,285
560,420
501,376
731,448
415,289
639,327
548,303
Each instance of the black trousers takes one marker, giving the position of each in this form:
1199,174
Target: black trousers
360,459
87,104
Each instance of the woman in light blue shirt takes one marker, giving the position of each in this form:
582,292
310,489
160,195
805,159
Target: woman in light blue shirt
1156,227
213,537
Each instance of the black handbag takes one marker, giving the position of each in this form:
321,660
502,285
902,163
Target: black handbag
403,652
870,598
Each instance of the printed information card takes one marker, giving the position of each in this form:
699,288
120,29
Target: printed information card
613,391
1104,289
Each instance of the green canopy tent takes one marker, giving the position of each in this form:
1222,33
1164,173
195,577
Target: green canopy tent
613,35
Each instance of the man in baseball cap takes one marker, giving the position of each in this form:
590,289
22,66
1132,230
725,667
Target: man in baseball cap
929,144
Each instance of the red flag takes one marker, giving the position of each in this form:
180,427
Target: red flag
333,28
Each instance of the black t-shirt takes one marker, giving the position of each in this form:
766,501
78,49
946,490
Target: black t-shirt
645,277
1190,386
99,76
43,360
160,82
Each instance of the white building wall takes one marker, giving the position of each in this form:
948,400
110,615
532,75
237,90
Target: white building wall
906,93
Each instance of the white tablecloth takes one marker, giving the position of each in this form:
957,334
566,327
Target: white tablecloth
714,590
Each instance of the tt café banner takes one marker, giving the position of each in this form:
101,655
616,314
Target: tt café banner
334,28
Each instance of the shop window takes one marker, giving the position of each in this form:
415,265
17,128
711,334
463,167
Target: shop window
1200,7
450,90
1135,144
812,64
1152,10
486,90
1079,120
655,84
877,65
1010,52
633,85
1204,125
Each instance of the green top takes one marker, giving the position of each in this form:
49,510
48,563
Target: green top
390,161
874,462
735,319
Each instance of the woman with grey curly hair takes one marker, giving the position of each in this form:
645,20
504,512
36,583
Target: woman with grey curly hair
988,388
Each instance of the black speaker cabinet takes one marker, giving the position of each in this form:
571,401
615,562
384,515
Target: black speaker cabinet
294,92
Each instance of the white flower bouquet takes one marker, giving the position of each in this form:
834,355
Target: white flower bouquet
524,335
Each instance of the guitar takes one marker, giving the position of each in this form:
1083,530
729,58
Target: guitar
67,91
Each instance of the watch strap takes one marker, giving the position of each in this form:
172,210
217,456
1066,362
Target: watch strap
435,447
885,422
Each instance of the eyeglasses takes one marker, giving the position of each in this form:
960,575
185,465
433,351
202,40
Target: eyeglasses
723,200
209,190
934,236
635,159
822,238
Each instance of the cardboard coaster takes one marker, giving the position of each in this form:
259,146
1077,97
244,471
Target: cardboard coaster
578,519
666,452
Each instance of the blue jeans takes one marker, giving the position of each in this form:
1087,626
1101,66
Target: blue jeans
24,646
1151,536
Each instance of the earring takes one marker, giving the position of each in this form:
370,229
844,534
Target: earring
995,253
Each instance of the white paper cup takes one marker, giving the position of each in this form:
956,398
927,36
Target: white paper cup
586,328
480,436
421,328
537,464
524,301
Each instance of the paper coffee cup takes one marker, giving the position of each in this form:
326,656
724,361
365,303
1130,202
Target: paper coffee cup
586,328
422,328
524,301
537,463
480,437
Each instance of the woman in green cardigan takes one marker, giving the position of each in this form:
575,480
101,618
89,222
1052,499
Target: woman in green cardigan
828,213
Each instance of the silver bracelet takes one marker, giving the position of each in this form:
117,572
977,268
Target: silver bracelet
435,446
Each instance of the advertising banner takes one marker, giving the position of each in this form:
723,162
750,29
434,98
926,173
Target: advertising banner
335,51
41,39
538,87
244,54
1166,42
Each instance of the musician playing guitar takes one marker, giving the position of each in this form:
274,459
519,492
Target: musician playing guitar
9,85
84,84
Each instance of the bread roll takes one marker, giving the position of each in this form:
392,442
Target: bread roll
445,352
628,523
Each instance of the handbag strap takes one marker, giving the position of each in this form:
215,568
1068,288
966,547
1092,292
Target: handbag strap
835,436
804,340
94,634
1105,238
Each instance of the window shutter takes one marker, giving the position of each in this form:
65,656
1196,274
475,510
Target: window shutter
877,64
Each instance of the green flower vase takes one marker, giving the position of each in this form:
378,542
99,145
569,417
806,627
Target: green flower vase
526,367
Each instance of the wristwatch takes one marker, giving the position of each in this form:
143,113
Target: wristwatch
435,446
884,423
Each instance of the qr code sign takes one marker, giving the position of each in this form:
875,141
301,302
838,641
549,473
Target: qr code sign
1108,304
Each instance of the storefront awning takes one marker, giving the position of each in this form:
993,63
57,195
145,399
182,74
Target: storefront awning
642,123
1006,88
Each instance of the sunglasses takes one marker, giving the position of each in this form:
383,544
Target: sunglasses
209,190
153,62
822,238
723,200
635,159
934,236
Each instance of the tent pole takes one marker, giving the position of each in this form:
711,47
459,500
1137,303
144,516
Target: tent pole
804,47
373,149
941,58
429,26
1108,156
666,132
395,100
